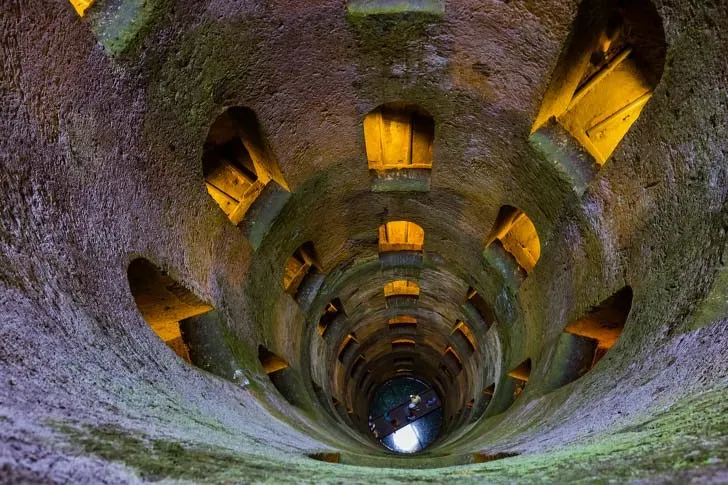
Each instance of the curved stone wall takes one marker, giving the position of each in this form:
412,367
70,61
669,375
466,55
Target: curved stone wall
106,121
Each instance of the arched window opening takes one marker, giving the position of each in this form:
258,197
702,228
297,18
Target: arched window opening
402,321
462,332
604,323
280,374
403,344
483,310
401,287
299,267
348,347
163,303
402,326
332,312
453,360
515,232
399,135
237,164
401,236
401,293
520,374
271,362
357,365
606,74
81,6
399,139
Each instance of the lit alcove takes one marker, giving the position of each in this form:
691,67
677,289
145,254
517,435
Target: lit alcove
452,360
513,245
399,140
302,276
463,337
477,310
401,245
163,303
520,375
280,374
348,348
402,325
400,293
333,312
401,236
605,76
586,340
241,174
399,344
81,6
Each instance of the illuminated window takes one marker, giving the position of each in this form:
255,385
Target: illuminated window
399,136
298,267
81,5
332,311
520,374
517,234
604,323
402,321
347,347
474,299
270,361
605,75
453,359
401,236
236,163
490,390
163,303
462,330
403,343
401,287
280,374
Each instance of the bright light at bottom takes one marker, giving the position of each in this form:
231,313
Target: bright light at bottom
406,440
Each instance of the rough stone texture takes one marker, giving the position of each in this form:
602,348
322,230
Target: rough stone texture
101,147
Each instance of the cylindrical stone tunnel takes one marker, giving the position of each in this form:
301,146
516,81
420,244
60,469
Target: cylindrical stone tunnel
364,241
